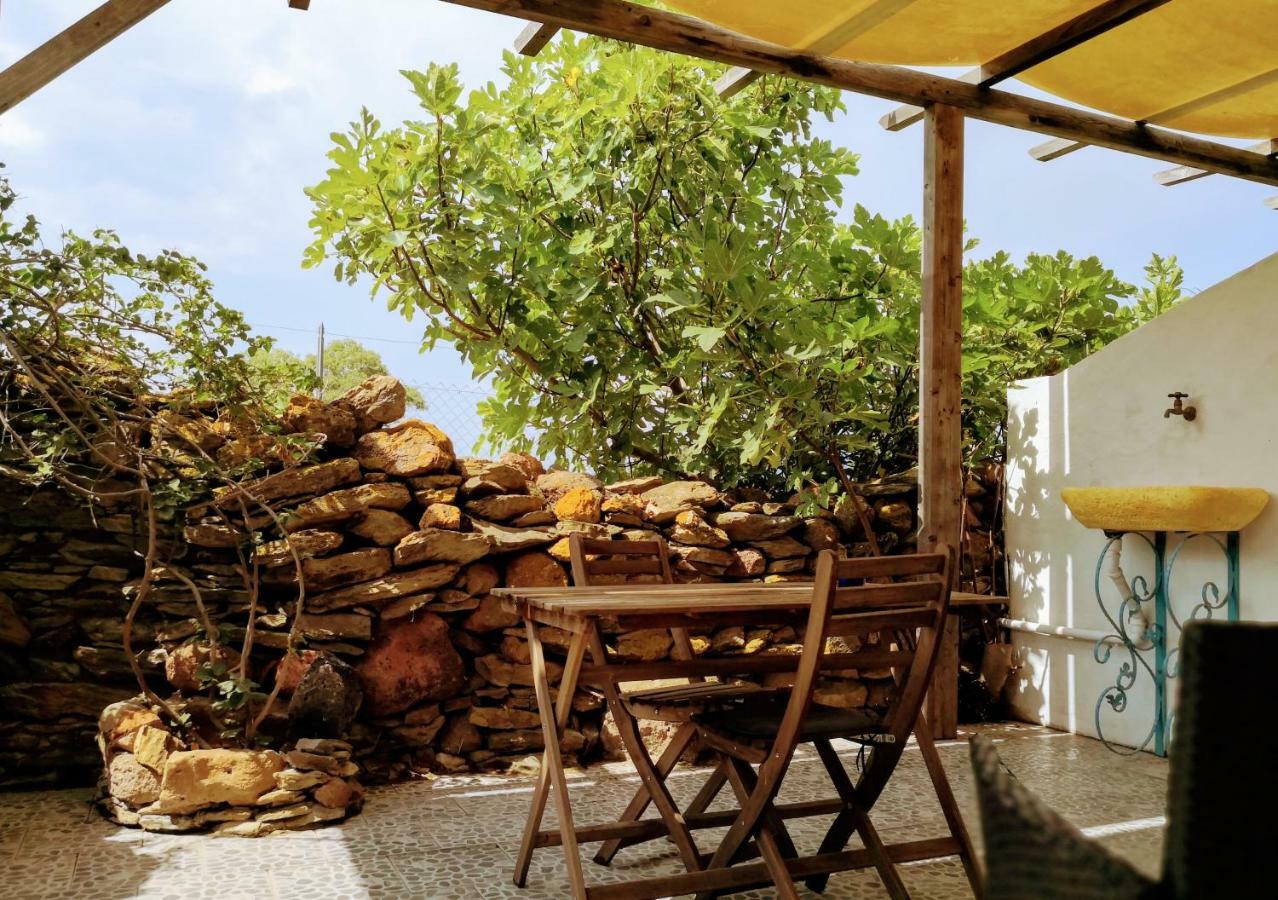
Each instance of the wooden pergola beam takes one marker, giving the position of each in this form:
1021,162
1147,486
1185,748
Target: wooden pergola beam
650,27
1185,174
837,35
1228,92
1066,36
534,37
58,54
1054,149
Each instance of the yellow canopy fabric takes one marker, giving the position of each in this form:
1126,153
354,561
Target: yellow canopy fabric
1208,66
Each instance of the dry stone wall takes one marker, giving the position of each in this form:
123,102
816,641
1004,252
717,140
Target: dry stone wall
406,655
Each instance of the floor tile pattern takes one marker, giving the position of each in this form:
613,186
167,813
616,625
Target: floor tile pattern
455,837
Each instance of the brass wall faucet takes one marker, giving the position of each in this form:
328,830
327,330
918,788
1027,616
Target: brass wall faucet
1179,409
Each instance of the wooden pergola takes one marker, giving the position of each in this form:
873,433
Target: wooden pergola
942,104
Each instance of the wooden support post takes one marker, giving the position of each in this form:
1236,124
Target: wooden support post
59,53
940,372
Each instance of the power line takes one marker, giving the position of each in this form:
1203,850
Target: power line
355,337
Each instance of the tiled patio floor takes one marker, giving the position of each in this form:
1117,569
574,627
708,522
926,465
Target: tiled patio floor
455,837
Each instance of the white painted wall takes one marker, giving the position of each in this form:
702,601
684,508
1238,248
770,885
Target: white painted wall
1101,423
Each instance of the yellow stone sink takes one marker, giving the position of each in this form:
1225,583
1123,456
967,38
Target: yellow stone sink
1181,508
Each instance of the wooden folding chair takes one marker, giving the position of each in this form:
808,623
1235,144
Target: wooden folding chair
766,730
607,561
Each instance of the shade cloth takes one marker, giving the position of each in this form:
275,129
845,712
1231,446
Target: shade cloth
1208,66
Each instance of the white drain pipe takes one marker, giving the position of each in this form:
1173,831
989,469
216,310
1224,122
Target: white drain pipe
1061,631
1137,619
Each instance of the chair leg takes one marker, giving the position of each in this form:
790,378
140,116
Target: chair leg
576,653
639,803
700,803
553,762
743,777
854,817
770,833
653,783
949,805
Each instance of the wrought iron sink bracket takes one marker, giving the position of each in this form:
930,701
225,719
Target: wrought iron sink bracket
1157,652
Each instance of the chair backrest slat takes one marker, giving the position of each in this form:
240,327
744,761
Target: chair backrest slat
870,623
620,548
877,596
625,565
592,557
892,566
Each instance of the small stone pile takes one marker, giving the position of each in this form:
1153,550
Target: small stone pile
405,655
157,782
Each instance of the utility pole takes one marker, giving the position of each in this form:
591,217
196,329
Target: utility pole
319,364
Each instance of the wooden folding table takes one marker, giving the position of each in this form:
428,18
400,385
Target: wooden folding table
635,606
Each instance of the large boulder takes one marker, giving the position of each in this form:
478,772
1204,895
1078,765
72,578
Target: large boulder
334,571
124,718
411,661
440,545
47,701
326,698
636,485
491,615
440,515
383,590
345,504
746,562
896,514
694,531
746,526
408,449
702,560
14,631
377,400
184,663
504,507
662,504
483,476
509,540
131,782
194,779
554,485
579,505
314,479
381,526
306,544
525,462
307,415
479,579
821,534
535,569
783,548
496,670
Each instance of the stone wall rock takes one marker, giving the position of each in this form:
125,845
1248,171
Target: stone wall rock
407,655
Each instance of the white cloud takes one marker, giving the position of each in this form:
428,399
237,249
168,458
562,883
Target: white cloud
267,80
16,133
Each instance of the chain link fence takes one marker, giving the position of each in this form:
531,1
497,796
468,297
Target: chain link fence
453,408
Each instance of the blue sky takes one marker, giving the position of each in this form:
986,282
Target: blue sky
199,128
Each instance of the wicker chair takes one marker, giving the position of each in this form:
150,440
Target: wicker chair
1221,794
